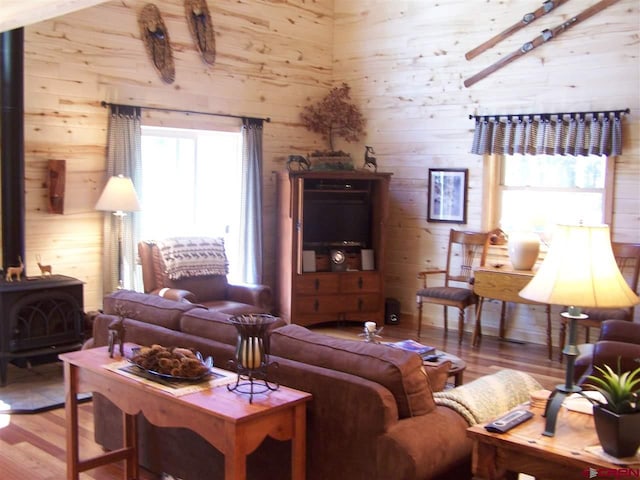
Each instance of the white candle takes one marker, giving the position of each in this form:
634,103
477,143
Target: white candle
250,353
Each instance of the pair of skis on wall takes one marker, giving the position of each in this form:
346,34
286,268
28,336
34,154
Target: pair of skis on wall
546,35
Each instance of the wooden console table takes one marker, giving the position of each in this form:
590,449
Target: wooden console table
524,449
503,284
225,419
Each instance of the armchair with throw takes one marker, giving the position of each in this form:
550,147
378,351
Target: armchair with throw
194,269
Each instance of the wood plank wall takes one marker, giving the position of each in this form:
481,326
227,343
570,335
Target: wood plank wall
405,63
272,58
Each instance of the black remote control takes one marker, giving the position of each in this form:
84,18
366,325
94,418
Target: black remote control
508,421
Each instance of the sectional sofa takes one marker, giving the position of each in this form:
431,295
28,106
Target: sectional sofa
372,415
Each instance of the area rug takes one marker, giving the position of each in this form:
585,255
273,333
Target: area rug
34,389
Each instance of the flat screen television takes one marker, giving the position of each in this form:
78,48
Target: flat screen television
336,219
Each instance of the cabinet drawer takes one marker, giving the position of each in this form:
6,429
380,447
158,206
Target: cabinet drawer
321,304
316,284
356,282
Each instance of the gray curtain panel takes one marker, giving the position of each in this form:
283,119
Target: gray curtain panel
598,133
251,208
123,157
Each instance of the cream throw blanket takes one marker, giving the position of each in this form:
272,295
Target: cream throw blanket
185,257
490,396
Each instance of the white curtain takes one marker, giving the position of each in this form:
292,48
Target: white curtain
123,157
597,133
251,208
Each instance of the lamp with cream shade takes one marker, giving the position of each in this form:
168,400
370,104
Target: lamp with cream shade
119,197
579,271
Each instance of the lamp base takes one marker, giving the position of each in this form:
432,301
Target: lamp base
554,403
562,391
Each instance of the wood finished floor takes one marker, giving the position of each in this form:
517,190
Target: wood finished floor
33,446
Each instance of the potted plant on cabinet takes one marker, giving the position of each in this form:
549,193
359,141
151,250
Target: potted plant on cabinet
334,116
617,416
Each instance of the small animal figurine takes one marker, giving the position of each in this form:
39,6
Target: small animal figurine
15,272
44,269
369,159
302,162
116,336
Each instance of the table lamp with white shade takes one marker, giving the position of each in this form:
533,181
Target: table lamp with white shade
119,196
579,271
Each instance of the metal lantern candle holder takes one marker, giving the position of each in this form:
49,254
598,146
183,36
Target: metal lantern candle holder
252,354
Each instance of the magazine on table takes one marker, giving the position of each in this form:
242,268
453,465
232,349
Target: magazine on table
413,346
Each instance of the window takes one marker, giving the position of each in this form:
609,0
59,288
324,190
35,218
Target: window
191,185
534,193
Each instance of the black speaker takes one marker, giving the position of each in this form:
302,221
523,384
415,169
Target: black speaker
391,311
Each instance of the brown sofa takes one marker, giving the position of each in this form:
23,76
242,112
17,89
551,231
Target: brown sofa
211,290
372,415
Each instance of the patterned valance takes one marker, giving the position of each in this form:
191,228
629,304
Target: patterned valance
593,133
193,257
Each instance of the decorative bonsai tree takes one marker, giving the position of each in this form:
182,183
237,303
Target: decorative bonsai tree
334,116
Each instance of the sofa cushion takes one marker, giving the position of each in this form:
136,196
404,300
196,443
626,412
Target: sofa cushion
399,371
147,308
214,325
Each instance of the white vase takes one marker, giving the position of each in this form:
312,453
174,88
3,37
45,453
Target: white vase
523,250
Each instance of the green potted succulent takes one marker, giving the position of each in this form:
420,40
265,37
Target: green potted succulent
617,415
333,116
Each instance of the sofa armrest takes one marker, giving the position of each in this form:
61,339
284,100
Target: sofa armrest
176,294
258,295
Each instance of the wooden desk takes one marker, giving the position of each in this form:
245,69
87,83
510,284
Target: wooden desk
225,419
525,450
503,284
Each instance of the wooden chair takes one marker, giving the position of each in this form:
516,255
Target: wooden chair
628,260
466,251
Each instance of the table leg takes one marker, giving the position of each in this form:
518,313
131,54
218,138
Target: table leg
235,459
503,310
477,331
549,344
299,443
71,414
130,436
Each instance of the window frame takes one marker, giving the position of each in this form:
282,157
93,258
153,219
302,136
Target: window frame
493,188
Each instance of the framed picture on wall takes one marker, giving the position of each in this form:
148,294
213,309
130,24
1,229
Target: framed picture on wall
447,197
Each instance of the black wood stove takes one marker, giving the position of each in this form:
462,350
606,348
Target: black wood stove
39,316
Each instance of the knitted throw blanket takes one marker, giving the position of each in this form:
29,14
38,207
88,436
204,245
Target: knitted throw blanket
490,396
193,257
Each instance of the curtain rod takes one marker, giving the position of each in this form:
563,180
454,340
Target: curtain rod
617,114
193,112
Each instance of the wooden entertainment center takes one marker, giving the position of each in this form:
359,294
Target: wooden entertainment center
331,227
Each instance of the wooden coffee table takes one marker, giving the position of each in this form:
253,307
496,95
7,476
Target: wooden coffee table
524,449
225,419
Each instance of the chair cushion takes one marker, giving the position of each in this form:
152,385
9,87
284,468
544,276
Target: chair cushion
456,294
193,257
398,370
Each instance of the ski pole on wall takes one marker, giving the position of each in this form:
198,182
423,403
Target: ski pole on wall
526,20
546,36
